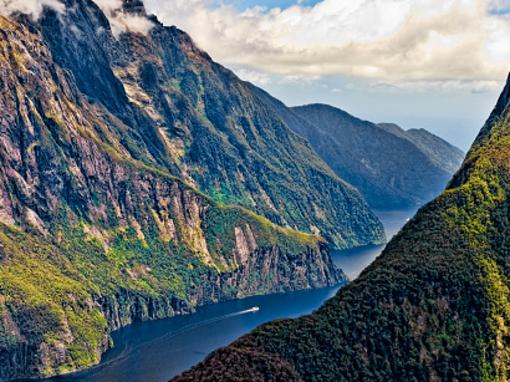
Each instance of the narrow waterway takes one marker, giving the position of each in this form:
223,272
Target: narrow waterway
156,351
355,260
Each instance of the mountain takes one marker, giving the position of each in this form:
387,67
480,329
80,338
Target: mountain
192,117
392,169
440,152
132,170
374,157
435,306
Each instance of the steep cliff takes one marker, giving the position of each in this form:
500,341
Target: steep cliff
391,167
435,306
187,114
97,229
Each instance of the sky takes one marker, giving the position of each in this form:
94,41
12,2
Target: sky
434,64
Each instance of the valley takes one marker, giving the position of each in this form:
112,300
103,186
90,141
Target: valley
434,306
154,207
155,351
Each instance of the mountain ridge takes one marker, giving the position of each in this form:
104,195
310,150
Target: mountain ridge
391,170
446,154
196,106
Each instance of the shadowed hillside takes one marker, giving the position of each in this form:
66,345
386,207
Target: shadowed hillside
391,167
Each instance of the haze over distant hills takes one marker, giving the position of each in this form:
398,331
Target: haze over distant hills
442,153
391,167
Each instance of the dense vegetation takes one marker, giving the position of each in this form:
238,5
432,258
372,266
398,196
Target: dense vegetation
62,294
434,307
391,167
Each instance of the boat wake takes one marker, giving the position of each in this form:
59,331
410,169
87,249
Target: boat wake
200,324
127,351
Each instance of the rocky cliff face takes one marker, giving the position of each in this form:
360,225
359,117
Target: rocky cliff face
101,222
191,116
391,167
56,316
435,306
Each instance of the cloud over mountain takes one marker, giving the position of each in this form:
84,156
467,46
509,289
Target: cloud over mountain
30,7
123,22
399,41
120,21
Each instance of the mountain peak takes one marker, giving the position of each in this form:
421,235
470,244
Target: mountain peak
501,113
134,6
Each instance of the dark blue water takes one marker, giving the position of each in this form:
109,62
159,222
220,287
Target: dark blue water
355,260
156,351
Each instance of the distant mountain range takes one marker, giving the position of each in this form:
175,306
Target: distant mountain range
442,154
391,167
435,306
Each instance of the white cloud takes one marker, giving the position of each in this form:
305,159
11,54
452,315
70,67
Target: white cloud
396,41
29,7
119,21
391,40
258,78
123,22
474,86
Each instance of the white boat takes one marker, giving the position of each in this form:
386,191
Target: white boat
254,309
